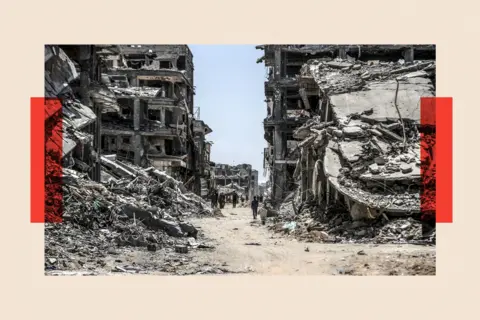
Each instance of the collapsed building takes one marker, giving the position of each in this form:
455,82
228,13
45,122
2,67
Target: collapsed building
240,178
343,124
155,126
72,77
104,201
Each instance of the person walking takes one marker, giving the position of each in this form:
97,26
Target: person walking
234,199
263,211
214,199
254,207
222,201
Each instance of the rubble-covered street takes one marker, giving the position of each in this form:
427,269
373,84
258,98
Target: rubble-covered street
242,244
232,243
349,168
105,223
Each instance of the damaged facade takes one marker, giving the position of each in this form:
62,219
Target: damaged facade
129,103
72,76
104,202
155,125
240,178
344,125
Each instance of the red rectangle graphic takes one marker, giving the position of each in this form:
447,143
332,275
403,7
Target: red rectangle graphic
436,155
46,160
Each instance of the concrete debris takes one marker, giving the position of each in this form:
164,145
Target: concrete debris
136,91
374,168
181,249
145,211
360,148
151,247
336,225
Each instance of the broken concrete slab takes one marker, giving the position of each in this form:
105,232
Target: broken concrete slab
339,64
375,132
132,211
352,131
331,163
171,227
188,229
116,168
380,97
406,168
351,150
374,169
380,160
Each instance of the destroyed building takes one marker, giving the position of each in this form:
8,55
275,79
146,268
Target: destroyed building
241,178
287,109
72,77
205,166
155,126
344,125
104,202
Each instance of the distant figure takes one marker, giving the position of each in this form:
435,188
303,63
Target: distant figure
254,207
263,211
222,201
234,199
214,199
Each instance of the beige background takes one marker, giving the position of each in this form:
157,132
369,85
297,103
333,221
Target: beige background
26,27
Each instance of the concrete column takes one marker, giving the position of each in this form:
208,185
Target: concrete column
304,175
408,55
162,115
304,97
136,114
342,52
133,81
279,175
277,68
319,192
138,148
84,57
137,138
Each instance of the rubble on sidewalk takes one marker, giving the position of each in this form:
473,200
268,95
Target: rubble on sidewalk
142,208
358,170
335,225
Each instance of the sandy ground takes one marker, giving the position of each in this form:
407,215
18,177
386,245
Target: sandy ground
244,244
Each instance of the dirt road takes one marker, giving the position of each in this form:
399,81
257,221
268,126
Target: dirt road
243,244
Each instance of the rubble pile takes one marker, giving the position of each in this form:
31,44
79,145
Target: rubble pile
359,166
370,149
136,91
335,225
379,170
342,76
144,210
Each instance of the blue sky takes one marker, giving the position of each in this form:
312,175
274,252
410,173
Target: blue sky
229,91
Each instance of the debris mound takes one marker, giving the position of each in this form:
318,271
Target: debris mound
141,212
335,225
